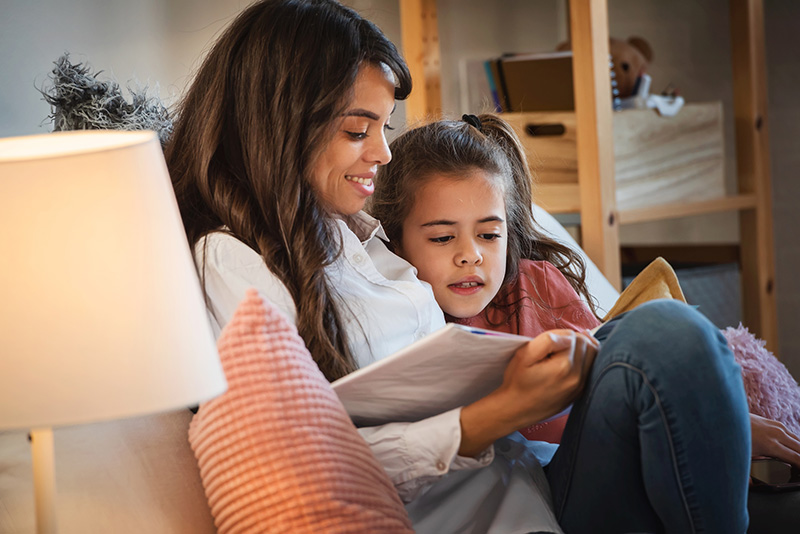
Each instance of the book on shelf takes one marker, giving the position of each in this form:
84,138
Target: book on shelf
534,82
538,82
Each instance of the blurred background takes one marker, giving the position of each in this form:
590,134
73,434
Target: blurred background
159,43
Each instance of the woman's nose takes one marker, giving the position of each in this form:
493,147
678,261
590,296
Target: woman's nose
379,150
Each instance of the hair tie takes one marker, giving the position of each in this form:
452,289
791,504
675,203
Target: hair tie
472,120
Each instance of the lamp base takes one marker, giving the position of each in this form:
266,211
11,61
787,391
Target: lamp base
44,480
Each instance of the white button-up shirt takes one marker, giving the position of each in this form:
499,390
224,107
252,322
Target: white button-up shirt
386,307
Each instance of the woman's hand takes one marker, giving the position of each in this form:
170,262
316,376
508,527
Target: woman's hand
772,438
543,378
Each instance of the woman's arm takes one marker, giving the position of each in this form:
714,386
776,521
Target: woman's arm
228,268
414,455
542,379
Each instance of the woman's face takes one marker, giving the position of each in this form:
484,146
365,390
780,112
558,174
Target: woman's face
456,237
343,173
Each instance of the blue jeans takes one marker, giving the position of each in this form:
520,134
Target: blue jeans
660,439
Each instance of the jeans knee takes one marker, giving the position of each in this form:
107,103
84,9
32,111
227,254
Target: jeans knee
674,331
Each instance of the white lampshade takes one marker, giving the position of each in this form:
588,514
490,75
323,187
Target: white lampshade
101,312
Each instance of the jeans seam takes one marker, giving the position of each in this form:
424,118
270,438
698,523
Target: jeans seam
673,453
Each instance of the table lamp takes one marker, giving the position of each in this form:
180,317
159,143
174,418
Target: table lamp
101,312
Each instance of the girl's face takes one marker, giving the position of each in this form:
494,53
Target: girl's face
455,235
342,175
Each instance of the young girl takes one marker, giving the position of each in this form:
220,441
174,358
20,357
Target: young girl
466,224
640,451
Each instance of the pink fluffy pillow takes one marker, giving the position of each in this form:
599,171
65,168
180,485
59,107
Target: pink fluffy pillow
771,390
277,451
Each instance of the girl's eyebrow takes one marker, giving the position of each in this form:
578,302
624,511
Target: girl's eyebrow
440,222
445,222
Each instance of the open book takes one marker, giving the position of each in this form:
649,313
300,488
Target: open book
452,367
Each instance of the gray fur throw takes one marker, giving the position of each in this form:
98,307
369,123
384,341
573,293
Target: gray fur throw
80,101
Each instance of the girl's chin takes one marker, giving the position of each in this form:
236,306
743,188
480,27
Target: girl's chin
462,313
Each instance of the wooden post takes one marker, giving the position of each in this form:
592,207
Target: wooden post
595,135
420,35
752,162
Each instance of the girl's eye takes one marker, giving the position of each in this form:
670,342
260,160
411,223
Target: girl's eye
388,128
489,237
443,239
358,136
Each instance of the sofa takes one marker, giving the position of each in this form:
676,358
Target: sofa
141,475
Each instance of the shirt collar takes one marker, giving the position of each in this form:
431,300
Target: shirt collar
365,226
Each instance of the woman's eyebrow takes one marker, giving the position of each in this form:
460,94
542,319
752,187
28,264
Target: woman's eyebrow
359,112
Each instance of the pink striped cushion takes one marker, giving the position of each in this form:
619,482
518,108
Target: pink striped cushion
277,451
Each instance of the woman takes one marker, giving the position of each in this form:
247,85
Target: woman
273,155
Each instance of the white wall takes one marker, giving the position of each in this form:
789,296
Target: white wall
160,41
152,41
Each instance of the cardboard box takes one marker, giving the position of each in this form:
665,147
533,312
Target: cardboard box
658,160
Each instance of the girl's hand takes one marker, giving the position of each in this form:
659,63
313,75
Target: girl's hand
543,378
772,438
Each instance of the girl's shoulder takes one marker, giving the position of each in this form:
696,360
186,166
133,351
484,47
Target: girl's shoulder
542,274
565,306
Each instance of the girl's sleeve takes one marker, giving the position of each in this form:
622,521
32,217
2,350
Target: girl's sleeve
572,312
415,455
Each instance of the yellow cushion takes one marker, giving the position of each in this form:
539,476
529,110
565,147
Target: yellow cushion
656,281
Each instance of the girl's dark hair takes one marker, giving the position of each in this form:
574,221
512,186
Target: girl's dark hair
453,149
262,107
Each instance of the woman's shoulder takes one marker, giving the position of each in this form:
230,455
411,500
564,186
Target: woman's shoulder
229,267
220,248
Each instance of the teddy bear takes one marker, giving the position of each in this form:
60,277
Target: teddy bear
630,59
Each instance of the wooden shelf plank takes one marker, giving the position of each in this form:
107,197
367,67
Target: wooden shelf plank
558,198
753,166
420,35
686,209
595,135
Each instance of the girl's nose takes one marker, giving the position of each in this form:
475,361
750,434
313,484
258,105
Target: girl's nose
469,256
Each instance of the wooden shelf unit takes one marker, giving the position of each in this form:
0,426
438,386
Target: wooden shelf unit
596,204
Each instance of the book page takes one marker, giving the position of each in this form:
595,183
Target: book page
451,367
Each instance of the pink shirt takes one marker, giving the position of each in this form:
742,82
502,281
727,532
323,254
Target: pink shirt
544,301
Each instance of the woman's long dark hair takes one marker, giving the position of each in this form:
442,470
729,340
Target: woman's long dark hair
453,148
262,107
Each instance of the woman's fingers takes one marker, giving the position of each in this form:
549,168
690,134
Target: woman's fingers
546,344
547,374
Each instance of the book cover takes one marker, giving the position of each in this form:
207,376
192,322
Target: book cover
538,82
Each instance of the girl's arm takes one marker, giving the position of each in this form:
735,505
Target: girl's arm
772,438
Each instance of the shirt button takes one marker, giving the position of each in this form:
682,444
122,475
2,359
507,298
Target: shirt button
358,258
440,466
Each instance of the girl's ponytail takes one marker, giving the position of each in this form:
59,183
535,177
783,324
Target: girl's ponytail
527,240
